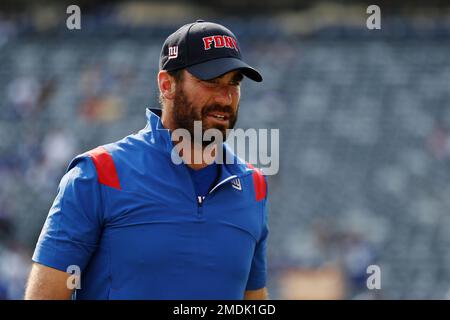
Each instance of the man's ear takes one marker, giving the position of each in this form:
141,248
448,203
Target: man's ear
166,84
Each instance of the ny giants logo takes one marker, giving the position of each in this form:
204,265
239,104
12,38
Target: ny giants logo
220,42
173,52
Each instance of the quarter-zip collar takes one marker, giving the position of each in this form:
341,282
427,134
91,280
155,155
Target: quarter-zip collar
161,138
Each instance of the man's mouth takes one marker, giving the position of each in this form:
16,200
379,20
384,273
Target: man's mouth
218,116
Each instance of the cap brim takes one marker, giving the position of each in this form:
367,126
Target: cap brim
215,68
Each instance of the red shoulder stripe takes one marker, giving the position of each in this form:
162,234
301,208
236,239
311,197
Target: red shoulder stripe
259,182
106,169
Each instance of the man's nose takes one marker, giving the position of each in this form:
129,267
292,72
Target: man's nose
224,96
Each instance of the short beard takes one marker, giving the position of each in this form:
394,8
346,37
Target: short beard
184,114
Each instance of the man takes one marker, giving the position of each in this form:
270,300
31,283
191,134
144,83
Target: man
139,226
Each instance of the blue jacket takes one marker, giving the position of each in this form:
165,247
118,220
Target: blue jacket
129,218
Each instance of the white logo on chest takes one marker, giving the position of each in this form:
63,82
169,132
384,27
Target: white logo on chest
236,183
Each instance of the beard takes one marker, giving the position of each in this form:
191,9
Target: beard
185,113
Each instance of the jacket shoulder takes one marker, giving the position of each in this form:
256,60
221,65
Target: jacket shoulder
259,183
104,165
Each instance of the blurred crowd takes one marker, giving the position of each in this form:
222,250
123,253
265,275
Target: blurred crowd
364,146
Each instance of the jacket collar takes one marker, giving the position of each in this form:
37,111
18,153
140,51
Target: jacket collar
161,138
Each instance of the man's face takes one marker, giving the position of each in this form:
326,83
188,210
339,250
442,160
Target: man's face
213,102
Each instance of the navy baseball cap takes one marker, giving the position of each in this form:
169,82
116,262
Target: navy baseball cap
207,50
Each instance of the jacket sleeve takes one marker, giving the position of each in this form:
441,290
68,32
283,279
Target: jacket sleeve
74,222
258,273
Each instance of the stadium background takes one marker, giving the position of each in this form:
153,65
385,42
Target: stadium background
363,116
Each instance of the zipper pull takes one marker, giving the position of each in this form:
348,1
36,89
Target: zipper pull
200,200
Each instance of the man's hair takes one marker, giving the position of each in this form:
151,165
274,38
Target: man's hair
178,76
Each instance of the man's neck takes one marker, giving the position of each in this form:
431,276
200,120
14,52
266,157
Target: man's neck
206,158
